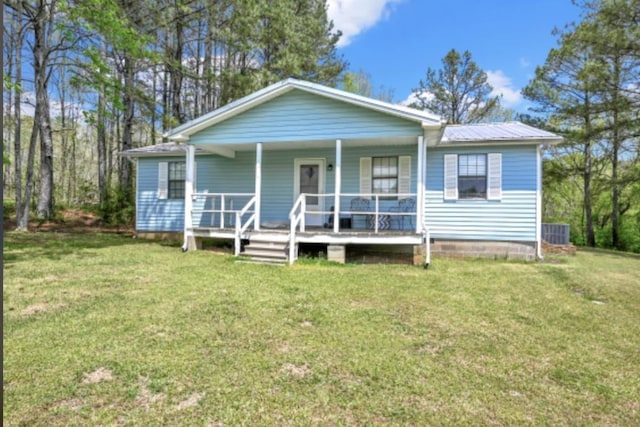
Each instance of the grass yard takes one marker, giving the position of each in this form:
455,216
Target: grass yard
103,329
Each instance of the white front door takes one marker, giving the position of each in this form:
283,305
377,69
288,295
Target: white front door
309,179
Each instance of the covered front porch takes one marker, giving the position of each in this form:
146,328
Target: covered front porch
332,212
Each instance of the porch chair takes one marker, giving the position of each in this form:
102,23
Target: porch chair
406,205
359,205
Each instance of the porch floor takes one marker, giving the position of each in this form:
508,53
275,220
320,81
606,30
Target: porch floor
318,234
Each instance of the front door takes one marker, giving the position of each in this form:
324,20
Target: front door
309,179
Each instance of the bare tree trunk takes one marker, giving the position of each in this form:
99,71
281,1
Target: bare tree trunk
588,209
22,220
616,142
126,183
102,149
64,135
41,33
176,73
17,138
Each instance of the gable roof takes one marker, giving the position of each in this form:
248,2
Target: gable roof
182,132
514,132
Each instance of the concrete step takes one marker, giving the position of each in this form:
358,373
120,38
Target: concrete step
267,246
264,253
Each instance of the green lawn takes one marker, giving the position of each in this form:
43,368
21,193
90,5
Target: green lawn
103,329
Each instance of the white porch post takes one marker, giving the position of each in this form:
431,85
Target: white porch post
338,187
256,224
189,243
539,254
420,184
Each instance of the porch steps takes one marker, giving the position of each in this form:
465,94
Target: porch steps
264,250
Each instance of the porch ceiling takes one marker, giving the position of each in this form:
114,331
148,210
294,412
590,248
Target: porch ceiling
295,145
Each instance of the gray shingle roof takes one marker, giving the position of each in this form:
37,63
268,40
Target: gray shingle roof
507,131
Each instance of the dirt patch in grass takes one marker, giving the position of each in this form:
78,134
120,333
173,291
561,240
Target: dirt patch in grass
190,401
146,397
40,307
97,376
296,371
74,404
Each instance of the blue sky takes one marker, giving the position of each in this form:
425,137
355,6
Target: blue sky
396,40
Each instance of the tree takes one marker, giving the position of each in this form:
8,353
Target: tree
459,91
360,82
588,90
611,30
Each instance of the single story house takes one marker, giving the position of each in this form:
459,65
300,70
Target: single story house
300,163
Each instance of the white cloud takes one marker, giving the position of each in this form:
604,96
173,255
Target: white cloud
524,63
413,98
355,16
502,85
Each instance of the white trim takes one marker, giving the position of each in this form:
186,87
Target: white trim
539,203
450,184
494,176
404,174
321,162
365,175
337,187
420,185
221,151
163,181
258,188
188,193
137,191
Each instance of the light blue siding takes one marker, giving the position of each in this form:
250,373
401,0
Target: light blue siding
513,218
153,214
216,174
301,116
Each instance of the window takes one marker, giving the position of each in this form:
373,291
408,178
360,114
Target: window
384,177
177,174
472,176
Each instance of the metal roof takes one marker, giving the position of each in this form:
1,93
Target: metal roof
500,132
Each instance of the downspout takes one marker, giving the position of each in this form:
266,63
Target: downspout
539,255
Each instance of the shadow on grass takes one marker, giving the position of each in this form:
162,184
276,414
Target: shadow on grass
32,246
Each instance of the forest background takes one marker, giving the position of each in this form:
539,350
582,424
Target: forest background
85,80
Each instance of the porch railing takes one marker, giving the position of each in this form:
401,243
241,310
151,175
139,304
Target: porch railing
218,206
378,211
240,227
376,217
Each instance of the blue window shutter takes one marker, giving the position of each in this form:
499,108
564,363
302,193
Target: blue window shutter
494,176
365,176
404,175
163,180
450,176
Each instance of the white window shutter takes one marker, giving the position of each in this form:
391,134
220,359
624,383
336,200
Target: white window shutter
365,176
404,175
195,177
450,176
494,176
163,180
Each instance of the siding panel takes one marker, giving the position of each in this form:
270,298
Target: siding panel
301,116
512,218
